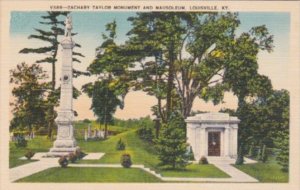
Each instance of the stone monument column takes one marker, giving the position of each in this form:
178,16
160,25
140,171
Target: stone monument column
65,142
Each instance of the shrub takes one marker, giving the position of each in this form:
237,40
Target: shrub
29,154
190,154
126,160
240,156
86,121
79,154
63,161
20,141
146,132
72,157
120,145
282,143
203,160
42,131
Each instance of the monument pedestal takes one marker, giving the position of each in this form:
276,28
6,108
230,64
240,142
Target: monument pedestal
65,142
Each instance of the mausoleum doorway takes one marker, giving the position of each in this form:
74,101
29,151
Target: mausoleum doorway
214,146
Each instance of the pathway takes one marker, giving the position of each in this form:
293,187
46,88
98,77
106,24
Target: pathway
43,163
31,168
46,163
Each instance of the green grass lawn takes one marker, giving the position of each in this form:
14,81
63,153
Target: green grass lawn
91,175
38,144
141,152
196,170
265,172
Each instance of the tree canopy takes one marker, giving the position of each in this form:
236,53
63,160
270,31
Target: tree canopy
29,94
178,57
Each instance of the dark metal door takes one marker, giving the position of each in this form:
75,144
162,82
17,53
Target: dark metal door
214,148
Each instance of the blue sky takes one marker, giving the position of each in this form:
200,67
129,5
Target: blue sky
93,23
90,26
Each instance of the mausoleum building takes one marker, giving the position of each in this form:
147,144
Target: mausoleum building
213,135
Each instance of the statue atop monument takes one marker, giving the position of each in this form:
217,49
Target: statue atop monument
68,26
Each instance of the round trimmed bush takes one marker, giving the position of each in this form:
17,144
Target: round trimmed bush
126,160
203,160
63,161
29,154
72,157
79,154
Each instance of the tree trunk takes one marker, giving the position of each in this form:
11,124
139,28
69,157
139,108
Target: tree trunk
170,81
105,131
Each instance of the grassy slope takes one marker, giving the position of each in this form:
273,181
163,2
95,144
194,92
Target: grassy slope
38,144
143,153
91,175
265,172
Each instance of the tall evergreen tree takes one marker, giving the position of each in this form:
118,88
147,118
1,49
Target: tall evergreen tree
171,144
53,27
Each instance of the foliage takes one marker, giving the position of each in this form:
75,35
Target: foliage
146,132
38,144
203,160
72,157
86,121
79,154
63,161
282,142
28,106
171,145
104,101
240,156
190,154
262,121
29,154
109,91
194,55
42,131
20,141
126,160
120,145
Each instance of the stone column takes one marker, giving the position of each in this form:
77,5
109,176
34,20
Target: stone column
203,142
234,140
226,141
65,142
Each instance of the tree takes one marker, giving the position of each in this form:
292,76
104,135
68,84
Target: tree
104,101
265,122
53,24
195,55
29,94
112,84
171,144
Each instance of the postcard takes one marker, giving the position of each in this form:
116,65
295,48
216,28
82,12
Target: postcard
150,94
